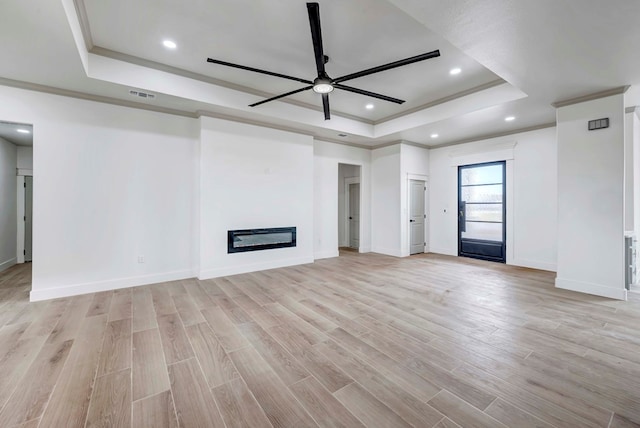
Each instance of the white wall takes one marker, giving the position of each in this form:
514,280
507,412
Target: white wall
386,201
253,177
8,216
628,171
414,164
591,203
25,157
327,157
531,195
344,171
636,178
111,183
114,183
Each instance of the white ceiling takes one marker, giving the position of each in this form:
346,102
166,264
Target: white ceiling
275,36
545,51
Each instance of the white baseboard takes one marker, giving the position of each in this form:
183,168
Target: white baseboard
112,284
364,249
590,288
234,270
395,252
534,264
7,264
445,251
326,254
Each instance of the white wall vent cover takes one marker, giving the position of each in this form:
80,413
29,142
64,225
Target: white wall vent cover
140,94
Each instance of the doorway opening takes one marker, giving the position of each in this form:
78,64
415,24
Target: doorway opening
16,198
482,211
349,207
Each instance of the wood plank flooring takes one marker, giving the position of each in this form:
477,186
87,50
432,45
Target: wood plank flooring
359,340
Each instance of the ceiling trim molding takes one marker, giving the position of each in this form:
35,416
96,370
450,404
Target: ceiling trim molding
246,121
389,144
496,135
474,150
342,143
633,109
411,143
83,20
131,59
206,113
407,143
590,97
97,50
96,98
452,97
123,103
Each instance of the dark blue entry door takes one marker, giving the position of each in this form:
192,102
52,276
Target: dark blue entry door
481,211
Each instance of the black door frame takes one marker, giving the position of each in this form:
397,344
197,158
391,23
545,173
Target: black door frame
501,247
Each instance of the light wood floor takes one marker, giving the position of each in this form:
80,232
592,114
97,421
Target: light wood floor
360,340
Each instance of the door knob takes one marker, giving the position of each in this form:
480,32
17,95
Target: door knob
411,221
350,218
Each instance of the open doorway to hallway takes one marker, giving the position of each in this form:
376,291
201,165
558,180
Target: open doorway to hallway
349,196
16,199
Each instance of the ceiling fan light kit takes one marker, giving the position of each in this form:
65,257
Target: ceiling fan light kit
323,84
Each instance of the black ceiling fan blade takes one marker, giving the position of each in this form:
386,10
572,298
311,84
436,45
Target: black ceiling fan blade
367,93
325,106
306,88
378,69
257,70
316,36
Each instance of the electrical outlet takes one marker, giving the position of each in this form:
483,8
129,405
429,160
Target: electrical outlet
140,259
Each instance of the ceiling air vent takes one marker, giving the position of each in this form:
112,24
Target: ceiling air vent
140,94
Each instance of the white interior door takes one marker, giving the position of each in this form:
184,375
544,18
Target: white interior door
354,215
416,216
28,217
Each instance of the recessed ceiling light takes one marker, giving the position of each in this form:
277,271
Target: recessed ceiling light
369,106
169,44
24,131
455,71
509,118
434,135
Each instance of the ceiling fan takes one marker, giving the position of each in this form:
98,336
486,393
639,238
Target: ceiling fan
323,84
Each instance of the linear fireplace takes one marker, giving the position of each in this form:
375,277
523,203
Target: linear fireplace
239,241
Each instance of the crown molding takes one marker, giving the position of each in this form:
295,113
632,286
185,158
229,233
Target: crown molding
590,97
83,20
343,143
389,144
206,113
496,135
411,143
90,97
443,100
97,50
246,121
131,104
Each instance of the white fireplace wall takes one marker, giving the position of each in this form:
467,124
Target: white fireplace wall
253,177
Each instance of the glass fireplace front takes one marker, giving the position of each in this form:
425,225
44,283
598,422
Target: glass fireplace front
239,241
